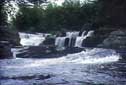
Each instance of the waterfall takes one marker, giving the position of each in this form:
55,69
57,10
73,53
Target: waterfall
60,42
79,40
90,33
28,39
83,33
71,35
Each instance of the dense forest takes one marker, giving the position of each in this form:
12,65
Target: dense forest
72,15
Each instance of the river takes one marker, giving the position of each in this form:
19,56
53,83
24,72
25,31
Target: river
91,67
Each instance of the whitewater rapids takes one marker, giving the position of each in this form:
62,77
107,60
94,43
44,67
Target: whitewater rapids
85,68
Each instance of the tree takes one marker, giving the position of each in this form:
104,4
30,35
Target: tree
112,12
29,19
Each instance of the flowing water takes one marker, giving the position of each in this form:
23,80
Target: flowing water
91,67
95,66
60,41
79,40
28,39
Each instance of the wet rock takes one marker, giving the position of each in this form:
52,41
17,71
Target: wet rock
5,50
66,42
116,40
96,39
92,41
49,41
46,52
37,52
9,35
72,43
8,39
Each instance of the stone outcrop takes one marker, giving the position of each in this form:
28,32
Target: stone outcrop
48,41
96,38
116,40
46,52
8,39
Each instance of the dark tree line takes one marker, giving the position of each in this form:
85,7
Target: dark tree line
112,12
72,15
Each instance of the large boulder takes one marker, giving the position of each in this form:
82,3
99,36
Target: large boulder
45,52
37,52
8,38
98,37
49,41
116,40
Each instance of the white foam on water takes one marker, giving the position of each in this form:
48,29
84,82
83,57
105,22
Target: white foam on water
31,39
71,68
107,59
79,40
94,56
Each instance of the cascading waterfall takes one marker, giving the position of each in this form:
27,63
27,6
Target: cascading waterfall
71,35
79,40
28,39
60,42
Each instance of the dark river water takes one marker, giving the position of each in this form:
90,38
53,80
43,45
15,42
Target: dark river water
90,67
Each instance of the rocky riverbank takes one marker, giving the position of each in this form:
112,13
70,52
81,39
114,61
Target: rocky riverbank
8,39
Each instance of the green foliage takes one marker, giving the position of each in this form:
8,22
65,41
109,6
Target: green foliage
29,19
3,18
72,15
